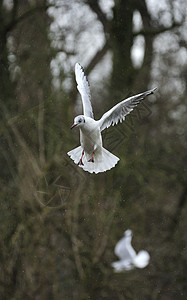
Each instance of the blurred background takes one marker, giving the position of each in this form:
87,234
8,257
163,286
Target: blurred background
58,224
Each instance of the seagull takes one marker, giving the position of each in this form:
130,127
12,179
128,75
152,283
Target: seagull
91,156
127,255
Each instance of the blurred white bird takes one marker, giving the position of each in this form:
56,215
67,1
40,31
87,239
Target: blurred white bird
127,255
91,156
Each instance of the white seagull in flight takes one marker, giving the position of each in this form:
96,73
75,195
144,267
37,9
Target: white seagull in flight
128,257
91,156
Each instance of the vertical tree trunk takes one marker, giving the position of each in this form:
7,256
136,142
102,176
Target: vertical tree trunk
122,41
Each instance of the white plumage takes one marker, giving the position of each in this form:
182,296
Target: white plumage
91,156
84,89
127,255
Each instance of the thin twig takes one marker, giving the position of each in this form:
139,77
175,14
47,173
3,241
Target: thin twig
41,129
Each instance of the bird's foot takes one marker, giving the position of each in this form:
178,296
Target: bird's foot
91,160
80,163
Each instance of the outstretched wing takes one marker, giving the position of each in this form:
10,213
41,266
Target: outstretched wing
124,250
84,90
120,110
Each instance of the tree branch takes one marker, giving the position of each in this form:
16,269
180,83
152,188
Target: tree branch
100,15
97,57
41,139
14,10
144,71
25,15
154,31
180,206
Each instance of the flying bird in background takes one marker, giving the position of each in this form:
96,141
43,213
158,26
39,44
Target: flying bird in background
127,255
91,156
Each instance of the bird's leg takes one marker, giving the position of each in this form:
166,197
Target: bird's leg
80,161
92,159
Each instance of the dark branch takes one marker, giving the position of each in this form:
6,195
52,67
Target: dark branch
100,15
97,57
154,31
14,10
148,50
180,206
149,29
25,15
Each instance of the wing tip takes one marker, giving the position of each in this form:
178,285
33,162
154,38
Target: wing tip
77,64
79,67
79,71
153,90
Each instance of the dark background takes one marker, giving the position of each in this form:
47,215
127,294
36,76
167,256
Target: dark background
59,224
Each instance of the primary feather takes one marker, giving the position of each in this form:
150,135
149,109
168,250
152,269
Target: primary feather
84,89
119,111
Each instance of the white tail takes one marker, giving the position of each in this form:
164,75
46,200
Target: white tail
142,259
103,160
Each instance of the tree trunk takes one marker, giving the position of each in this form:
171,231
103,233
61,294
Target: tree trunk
121,42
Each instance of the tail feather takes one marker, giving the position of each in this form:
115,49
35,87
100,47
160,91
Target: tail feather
103,161
142,259
75,154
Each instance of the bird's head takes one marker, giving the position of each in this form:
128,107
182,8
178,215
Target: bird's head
78,121
128,233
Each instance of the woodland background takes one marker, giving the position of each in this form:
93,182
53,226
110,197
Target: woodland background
59,224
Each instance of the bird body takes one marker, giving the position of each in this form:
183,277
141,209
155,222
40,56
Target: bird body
91,155
90,136
128,256
91,140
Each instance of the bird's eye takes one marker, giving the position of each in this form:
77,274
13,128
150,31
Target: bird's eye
79,121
